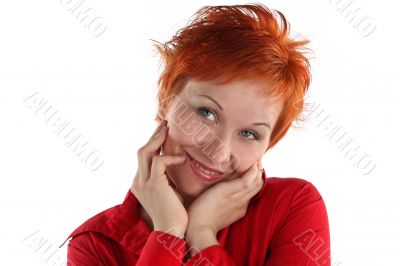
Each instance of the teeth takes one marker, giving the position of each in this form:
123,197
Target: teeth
204,170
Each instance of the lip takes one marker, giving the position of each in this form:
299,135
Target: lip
205,166
200,173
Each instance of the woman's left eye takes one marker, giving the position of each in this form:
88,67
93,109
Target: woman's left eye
254,134
204,111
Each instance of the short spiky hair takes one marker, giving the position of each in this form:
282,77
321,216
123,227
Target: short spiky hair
238,42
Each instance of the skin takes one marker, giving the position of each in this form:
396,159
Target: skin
174,199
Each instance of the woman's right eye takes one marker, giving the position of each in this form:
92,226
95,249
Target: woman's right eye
205,112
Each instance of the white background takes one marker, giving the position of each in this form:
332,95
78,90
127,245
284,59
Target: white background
105,87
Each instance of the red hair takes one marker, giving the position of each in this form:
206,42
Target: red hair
238,42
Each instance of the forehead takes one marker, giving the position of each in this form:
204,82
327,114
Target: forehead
239,98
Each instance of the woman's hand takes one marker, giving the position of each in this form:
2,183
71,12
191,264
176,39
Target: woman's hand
151,186
221,205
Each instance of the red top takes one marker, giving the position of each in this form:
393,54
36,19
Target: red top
286,224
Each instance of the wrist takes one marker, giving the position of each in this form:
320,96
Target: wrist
178,231
194,229
200,238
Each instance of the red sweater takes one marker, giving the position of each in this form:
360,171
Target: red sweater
286,224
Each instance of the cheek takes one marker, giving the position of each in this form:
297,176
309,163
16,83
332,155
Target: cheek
175,133
175,139
247,156
183,126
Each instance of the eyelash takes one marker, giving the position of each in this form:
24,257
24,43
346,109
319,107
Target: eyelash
201,109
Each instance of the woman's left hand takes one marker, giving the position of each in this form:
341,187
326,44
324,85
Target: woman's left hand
221,205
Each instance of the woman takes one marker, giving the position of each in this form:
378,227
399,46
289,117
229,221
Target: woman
233,84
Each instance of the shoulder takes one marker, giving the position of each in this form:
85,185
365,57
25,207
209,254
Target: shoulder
96,223
119,225
301,221
89,241
90,248
286,199
292,188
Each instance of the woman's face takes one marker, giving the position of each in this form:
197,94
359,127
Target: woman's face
215,125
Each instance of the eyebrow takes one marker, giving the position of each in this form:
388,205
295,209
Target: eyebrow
212,99
262,124
220,107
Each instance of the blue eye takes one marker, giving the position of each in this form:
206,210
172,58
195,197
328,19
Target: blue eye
203,110
254,134
206,112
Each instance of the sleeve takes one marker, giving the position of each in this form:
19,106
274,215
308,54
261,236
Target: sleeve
212,255
303,238
162,248
91,248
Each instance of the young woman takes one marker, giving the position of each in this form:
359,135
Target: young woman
233,83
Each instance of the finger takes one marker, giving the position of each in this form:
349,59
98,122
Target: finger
136,180
249,184
243,182
148,151
160,163
172,185
159,127
255,186
251,177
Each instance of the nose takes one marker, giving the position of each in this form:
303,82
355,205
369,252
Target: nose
215,145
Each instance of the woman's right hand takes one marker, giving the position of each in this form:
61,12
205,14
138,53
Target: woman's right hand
152,189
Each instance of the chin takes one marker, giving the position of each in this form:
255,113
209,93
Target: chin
184,184
192,191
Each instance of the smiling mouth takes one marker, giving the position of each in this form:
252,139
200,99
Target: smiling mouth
203,167
203,171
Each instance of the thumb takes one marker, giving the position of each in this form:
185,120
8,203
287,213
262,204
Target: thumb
173,187
160,163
